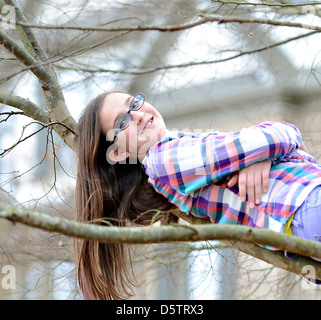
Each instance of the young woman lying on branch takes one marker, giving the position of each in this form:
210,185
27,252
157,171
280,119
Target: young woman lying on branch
129,163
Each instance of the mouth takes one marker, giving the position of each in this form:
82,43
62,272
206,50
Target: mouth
148,124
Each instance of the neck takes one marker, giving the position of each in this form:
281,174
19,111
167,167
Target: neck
142,155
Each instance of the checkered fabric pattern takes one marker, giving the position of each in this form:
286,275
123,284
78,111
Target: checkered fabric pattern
191,170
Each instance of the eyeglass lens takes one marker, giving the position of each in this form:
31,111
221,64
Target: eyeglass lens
125,120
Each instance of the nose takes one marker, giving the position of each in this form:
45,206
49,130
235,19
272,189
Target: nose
137,116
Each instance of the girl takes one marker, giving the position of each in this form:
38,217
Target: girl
129,163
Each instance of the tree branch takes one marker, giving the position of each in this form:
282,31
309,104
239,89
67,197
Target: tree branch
275,258
270,4
200,20
23,56
22,139
38,63
55,101
29,108
191,63
230,234
28,37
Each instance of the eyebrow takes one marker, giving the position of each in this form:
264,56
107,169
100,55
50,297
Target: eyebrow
127,101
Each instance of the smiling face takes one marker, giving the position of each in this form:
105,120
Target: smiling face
146,128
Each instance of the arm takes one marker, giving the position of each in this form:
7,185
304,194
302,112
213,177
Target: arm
190,163
252,180
303,147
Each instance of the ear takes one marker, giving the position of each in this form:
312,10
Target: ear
117,154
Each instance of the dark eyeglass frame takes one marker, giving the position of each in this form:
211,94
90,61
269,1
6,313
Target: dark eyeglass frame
127,116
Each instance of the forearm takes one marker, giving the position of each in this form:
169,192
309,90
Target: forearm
251,145
192,162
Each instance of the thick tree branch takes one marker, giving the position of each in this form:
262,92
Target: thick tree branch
275,258
37,60
28,37
29,108
22,55
297,265
230,234
55,101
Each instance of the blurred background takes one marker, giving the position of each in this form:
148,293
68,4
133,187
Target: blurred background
210,77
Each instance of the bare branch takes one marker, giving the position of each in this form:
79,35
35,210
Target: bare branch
23,56
55,101
276,258
28,37
270,4
10,114
271,22
43,126
152,234
202,19
188,64
29,108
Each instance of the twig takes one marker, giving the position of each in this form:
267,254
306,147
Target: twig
202,19
270,4
191,63
55,123
10,114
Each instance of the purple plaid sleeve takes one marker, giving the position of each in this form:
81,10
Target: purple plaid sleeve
190,170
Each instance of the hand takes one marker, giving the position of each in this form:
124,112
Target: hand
303,147
250,181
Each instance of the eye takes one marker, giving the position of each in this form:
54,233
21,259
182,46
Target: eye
123,122
134,104
137,102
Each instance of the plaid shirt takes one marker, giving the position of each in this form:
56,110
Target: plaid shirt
191,170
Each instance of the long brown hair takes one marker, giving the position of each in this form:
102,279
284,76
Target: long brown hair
118,193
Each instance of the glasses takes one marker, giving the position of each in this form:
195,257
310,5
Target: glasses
125,120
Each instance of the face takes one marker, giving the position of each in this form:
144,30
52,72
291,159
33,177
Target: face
146,128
